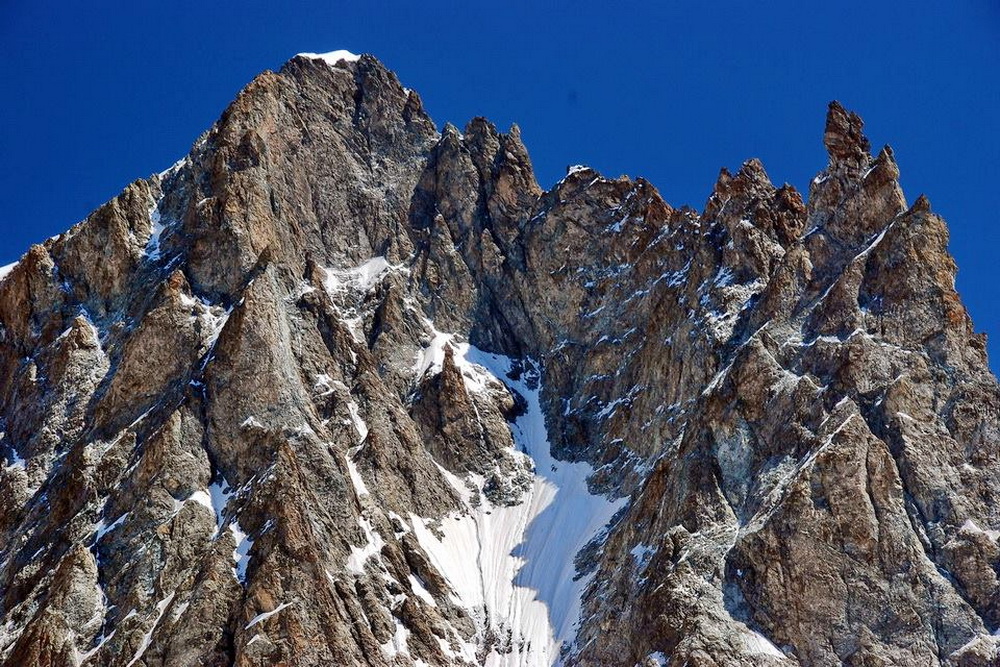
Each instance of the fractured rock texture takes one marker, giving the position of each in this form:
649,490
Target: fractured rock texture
250,405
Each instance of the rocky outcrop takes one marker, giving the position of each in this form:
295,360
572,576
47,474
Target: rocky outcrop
338,388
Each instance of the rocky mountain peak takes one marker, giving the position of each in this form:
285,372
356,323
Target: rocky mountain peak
339,388
845,139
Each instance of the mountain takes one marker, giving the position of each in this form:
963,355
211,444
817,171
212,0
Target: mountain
338,388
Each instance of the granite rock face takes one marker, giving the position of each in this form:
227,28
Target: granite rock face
339,388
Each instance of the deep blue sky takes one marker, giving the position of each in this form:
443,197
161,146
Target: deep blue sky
97,94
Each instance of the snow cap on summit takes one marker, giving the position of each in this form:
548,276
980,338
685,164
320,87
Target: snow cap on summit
333,57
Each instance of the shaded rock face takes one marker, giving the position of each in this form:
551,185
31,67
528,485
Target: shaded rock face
338,388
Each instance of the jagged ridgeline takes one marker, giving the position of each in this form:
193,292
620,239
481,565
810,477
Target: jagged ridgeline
338,388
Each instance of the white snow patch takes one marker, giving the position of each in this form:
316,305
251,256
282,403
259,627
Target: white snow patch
716,380
359,424
5,270
216,318
465,651
260,618
513,567
332,57
675,278
575,168
241,554
972,527
16,460
179,610
431,359
101,641
421,591
724,277
990,640
758,644
251,422
160,608
157,226
642,552
397,644
359,483
609,409
878,239
616,227
103,530
175,166
658,659
356,561
202,498
324,384
361,278
219,494
347,289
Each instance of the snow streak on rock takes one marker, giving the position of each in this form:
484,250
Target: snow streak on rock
515,566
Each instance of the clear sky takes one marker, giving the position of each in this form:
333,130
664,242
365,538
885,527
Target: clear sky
97,94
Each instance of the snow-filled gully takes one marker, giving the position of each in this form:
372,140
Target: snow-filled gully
513,567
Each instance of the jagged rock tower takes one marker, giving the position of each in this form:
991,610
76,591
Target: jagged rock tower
339,389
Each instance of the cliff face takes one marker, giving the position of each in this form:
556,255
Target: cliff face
338,388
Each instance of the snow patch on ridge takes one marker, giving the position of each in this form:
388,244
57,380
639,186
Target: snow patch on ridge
362,428
359,424
359,555
219,493
102,529
260,618
5,270
16,460
360,278
161,608
397,644
202,498
217,499
156,231
332,57
348,288
513,567
241,554
757,644
430,359
359,483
